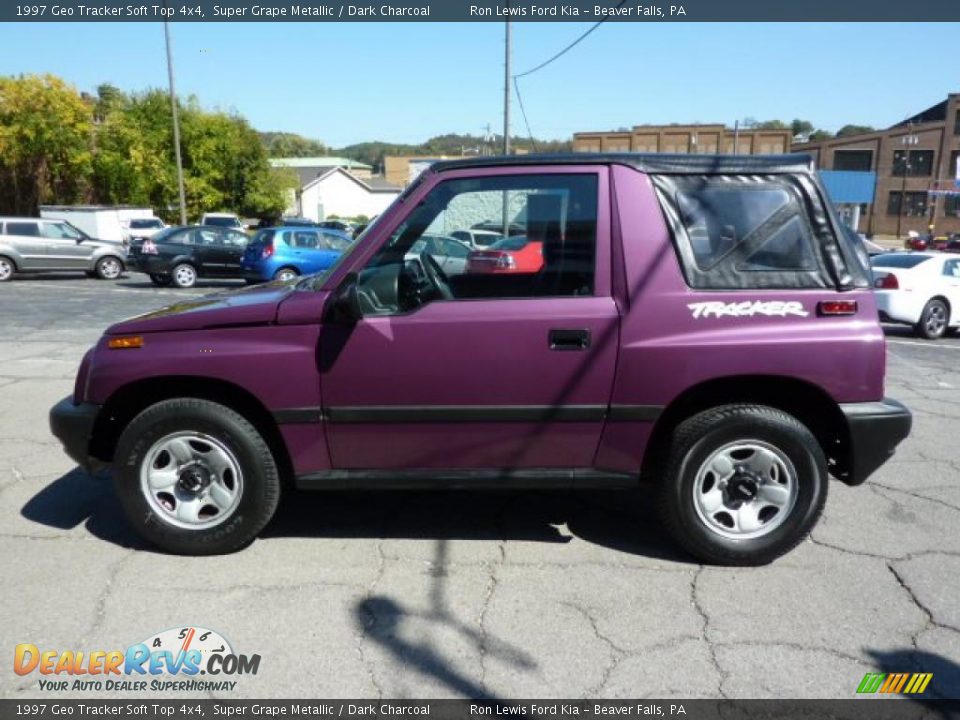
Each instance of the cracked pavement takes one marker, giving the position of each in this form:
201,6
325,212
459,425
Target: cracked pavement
530,594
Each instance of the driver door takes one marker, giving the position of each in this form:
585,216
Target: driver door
491,372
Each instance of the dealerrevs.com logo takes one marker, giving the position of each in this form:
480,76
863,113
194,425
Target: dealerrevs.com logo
170,661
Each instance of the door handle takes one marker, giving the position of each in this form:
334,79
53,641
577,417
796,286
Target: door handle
568,339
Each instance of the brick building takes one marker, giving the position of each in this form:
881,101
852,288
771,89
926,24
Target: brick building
698,138
916,166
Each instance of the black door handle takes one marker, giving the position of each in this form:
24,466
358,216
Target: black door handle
563,339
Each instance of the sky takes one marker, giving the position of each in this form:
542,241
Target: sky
405,82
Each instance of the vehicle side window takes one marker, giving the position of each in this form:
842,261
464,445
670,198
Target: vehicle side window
951,268
551,254
28,229
207,237
453,249
306,239
59,231
739,232
333,242
236,239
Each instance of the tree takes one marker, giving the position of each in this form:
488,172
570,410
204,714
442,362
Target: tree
847,130
281,144
770,125
820,135
45,135
801,127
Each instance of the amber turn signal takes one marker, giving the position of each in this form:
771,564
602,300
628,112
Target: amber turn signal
128,342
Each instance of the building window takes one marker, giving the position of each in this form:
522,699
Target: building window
914,206
859,160
956,124
951,206
953,171
915,163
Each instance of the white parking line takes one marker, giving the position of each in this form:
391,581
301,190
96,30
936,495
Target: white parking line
917,343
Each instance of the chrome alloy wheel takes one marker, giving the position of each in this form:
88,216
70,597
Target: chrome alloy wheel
185,275
191,480
936,320
745,489
285,274
110,268
6,269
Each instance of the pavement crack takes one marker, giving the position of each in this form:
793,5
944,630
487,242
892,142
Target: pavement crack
705,617
917,495
616,653
927,612
105,592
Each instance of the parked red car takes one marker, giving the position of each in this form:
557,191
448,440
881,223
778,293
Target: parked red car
924,242
517,254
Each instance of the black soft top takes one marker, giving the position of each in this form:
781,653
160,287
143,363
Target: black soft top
657,163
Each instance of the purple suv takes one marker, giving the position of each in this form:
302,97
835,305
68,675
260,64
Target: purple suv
700,324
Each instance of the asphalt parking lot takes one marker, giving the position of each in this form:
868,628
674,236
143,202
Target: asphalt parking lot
531,594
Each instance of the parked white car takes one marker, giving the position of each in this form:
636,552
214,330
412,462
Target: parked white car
221,219
144,228
920,289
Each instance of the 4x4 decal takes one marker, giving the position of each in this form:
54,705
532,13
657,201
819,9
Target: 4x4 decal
748,308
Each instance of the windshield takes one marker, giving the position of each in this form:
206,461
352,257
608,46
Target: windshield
144,224
222,221
898,260
511,243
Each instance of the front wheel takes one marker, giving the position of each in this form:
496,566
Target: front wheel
743,485
109,268
195,477
933,320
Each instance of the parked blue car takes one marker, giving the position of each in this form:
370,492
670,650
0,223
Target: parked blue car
283,253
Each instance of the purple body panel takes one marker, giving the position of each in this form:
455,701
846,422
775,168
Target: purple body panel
647,348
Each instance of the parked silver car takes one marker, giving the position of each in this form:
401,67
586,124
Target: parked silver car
38,245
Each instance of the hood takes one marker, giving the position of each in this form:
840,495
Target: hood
246,306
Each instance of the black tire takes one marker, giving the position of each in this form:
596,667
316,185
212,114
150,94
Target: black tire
7,268
259,491
184,275
161,280
933,320
109,267
696,439
289,272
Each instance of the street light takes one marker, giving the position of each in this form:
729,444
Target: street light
906,140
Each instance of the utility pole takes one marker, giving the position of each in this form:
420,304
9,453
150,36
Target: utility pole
176,124
736,135
506,89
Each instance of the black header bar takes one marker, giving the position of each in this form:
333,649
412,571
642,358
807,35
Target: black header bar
481,11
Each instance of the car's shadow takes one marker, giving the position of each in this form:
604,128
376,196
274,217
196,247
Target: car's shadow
139,281
624,521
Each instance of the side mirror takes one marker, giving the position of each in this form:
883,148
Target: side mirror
345,307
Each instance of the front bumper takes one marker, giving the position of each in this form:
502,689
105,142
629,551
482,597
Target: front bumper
876,428
72,425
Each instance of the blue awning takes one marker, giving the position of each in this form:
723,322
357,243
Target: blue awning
849,187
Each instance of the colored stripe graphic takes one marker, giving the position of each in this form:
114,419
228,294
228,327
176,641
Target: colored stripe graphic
892,683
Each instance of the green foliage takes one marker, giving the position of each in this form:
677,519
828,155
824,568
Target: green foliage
854,130
57,146
820,135
283,145
45,143
770,125
451,144
801,127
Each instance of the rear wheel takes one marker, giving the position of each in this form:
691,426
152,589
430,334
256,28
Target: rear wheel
286,273
933,320
195,477
161,280
109,268
184,276
7,269
743,485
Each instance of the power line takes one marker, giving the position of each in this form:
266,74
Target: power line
569,47
523,112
